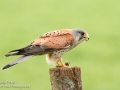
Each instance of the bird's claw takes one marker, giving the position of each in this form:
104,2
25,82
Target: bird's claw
61,64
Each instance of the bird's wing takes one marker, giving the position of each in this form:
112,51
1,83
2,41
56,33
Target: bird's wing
46,43
55,39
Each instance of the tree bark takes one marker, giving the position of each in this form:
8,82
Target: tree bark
63,78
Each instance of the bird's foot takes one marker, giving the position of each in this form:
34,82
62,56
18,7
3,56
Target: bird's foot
61,64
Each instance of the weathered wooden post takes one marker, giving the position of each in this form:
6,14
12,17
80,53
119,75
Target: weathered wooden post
63,78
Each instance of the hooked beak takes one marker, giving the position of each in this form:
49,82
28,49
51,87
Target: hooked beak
86,36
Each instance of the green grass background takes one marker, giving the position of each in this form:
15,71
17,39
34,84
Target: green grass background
21,21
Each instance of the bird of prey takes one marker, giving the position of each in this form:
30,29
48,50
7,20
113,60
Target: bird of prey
52,44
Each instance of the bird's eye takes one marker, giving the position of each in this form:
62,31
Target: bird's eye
82,33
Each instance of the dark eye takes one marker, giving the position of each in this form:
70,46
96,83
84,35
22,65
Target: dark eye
82,33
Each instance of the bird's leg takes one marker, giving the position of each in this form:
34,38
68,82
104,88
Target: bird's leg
58,64
61,64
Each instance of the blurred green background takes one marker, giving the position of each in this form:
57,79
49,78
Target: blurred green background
21,21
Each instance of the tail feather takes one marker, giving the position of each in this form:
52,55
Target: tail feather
22,58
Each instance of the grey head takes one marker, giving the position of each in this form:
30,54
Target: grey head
80,35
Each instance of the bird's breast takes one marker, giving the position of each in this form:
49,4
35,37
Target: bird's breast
56,55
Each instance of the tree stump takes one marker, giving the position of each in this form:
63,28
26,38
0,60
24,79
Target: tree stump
63,78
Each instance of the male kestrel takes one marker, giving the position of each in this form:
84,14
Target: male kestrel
52,44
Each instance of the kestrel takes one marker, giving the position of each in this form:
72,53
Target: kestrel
52,44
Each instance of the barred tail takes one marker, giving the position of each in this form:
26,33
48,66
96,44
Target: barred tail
22,58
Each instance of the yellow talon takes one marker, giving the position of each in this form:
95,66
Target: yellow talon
61,64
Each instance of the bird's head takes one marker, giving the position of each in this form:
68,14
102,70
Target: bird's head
80,35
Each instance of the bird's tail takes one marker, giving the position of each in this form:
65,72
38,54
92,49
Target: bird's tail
22,58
